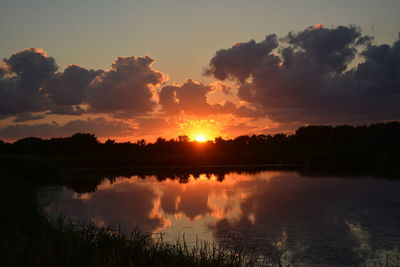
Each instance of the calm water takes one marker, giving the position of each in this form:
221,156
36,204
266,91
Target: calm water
335,220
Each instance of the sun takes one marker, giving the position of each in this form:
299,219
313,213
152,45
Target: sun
200,138
200,131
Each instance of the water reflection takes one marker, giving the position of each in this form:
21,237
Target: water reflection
336,221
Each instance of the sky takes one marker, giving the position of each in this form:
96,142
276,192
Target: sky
191,67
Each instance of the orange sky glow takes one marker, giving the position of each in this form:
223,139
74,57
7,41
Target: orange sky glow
273,85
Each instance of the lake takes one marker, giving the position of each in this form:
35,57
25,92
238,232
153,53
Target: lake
316,219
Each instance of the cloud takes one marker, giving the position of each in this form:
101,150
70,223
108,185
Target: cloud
233,130
20,88
126,89
66,110
318,75
100,127
309,78
29,82
224,88
15,99
28,117
239,60
191,99
155,126
239,111
168,99
32,66
70,86
4,69
331,49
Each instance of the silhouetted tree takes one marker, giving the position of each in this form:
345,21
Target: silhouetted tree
110,142
29,145
141,142
183,139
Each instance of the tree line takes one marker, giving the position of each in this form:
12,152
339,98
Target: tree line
344,135
367,148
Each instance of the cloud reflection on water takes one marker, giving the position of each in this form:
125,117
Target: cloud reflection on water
340,221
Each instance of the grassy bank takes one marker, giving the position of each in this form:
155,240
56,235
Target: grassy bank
30,238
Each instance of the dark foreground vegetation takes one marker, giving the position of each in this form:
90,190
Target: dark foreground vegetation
373,146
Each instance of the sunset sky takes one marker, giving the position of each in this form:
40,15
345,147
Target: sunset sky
128,70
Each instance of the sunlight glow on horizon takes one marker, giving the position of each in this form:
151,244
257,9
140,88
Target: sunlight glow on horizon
200,130
200,138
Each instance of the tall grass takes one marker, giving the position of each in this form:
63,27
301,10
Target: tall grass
60,243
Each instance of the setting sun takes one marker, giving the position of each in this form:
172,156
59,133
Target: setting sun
200,130
200,138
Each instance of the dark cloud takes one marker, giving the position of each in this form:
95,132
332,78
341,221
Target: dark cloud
15,99
382,65
66,110
20,88
28,117
29,83
239,61
70,86
239,111
168,99
32,66
308,78
331,49
126,89
100,127
191,99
